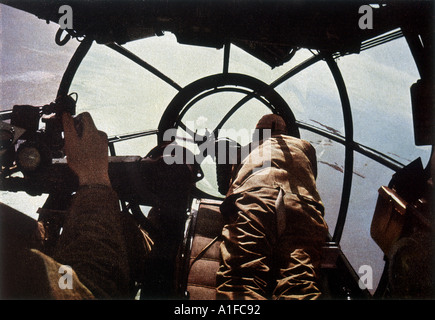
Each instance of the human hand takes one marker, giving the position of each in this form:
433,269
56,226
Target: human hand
86,149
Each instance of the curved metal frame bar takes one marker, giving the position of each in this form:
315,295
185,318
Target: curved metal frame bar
295,70
73,66
349,143
128,54
217,90
364,150
170,117
205,94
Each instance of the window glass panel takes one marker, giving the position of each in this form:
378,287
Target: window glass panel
182,63
357,243
312,95
330,168
136,147
31,63
243,62
378,83
121,96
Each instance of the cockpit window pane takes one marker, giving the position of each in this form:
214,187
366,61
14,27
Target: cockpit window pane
31,63
121,96
356,242
378,82
313,97
182,63
330,171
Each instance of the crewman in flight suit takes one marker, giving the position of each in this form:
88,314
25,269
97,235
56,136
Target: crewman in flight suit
275,227
91,259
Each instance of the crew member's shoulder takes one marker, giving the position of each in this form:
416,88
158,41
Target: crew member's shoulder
304,144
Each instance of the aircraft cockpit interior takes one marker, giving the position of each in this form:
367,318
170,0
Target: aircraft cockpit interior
176,84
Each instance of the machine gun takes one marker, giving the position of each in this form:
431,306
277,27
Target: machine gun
37,153
32,160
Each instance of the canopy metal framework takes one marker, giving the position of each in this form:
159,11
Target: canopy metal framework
347,140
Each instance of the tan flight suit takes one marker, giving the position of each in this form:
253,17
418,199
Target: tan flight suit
271,244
